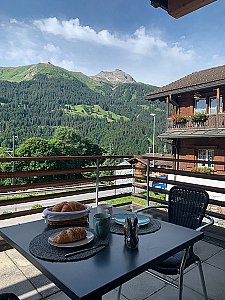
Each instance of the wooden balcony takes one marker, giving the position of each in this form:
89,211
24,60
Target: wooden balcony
213,122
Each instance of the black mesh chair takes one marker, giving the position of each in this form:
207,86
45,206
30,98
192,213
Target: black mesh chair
186,207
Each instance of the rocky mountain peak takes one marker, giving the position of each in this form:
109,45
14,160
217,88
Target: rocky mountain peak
115,77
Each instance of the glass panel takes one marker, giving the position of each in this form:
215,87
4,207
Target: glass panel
202,155
205,154
221,104
210,157
212,106
200,105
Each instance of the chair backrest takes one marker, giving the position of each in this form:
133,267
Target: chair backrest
187,206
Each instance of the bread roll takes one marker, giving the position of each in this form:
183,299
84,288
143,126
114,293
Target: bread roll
68,206
70,235
58,207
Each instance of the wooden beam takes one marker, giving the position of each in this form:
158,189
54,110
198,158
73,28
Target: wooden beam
160,3
173,101
180,8
167,106
217,106
218,100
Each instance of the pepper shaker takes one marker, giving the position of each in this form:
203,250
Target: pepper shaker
131,233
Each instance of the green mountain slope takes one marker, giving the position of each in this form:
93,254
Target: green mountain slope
94,111
25,73
36,99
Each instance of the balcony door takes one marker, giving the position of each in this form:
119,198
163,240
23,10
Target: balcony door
213,105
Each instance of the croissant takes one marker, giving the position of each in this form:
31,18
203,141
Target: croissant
68,206
70,235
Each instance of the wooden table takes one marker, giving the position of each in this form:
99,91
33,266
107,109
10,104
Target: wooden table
116,264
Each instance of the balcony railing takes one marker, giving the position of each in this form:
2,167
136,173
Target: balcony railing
97,178
212,183
213,121
55,183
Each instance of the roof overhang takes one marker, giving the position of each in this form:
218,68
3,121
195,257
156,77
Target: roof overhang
198,133
179,8
161,96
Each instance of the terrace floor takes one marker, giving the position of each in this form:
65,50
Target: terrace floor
19,276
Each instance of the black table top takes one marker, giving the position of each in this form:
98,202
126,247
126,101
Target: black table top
114,265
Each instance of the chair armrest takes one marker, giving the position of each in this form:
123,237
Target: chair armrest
150,207
210,222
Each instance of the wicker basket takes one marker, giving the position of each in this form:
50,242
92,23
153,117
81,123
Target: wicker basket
79,221
67,218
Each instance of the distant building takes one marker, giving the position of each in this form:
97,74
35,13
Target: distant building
196,126
140,163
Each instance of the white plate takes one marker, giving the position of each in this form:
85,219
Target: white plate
88,239
120,218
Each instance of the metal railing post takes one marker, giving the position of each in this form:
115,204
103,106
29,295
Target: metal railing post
133,179
147,182
97,182
13,155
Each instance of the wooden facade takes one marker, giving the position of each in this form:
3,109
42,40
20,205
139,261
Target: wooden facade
196,125
189,149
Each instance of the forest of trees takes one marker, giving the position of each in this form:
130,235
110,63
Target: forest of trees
65,141
36,108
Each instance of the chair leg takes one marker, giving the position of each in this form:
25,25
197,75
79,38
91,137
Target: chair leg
181,272
202,279
119,292
181,277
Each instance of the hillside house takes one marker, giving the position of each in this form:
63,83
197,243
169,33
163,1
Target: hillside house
140,163
196,126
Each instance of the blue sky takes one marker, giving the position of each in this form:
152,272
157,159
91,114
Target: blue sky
94,35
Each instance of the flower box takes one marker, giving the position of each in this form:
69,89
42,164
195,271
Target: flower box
178,119
199,117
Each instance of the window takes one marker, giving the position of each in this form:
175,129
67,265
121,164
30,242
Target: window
221,104
200,105
206,154
212,105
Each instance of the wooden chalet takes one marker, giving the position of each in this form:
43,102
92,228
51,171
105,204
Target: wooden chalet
179,8
196,124
140,163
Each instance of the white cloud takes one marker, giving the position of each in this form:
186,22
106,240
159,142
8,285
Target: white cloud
140,43
51,48
144,54
66,64
14,21
217,59
72,30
